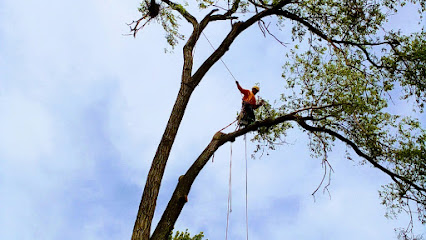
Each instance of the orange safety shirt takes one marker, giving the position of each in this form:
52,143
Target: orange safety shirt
248,96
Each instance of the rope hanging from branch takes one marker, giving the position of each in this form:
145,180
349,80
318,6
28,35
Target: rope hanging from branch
229,210
245,148
229,194
230,164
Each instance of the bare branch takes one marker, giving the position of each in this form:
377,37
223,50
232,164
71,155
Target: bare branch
263,27
317,107
394,176
237,28
324,36
325,163
136,28
261,5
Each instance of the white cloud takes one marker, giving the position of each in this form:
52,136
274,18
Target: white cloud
26,131
83,108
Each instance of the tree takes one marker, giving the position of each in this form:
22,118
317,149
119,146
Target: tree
343,71
185,236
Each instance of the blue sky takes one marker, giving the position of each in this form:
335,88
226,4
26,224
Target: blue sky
83,107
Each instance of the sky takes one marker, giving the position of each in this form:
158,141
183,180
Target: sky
83,108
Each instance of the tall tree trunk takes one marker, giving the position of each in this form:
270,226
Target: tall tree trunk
141,230
152,186
178,200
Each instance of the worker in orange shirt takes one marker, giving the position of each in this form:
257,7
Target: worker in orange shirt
249,104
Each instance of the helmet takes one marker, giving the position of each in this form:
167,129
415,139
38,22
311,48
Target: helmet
256,87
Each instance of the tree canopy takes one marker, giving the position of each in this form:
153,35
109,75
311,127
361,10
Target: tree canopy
343,73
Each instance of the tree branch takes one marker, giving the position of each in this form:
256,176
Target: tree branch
322,35
237,28
318,107
178,199
191,19
318,32
233,9
188,49
358,151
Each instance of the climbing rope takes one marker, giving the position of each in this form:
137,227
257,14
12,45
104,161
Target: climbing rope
230,162
224,64
245,148
229,210
228,125
229,194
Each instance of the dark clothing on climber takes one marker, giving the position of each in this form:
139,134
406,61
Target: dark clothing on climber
249,104
248,114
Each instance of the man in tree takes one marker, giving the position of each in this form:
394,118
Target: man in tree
340,76
249,104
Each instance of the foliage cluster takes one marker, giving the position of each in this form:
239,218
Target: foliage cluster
185,236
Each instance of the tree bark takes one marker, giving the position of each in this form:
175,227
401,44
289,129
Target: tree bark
142,227
179,198
147,205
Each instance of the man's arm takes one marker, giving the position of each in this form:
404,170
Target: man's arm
242,90
258,105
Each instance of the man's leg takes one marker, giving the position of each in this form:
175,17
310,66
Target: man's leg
244,120
250,114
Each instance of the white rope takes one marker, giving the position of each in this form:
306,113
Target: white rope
229,194
229,210
247,229
224,64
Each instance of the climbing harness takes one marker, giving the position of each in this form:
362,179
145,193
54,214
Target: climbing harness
246,116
